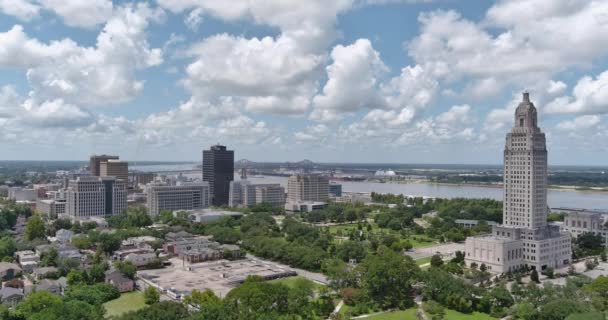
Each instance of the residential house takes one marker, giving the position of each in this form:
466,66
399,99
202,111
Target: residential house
64,235
9,270
11,296
118,280
28,260
141,259
45,272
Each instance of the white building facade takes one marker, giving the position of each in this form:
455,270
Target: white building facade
245,194
577,223
185,196
90,196
525,239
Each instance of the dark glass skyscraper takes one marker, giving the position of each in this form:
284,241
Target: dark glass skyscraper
218,170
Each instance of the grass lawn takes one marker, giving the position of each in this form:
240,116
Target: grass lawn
130,301
409,314
423,261
290,282
455,315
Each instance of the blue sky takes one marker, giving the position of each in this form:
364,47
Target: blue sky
408,81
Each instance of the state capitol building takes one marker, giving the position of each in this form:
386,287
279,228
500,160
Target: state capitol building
524,238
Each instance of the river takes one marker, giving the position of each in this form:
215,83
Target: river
556,198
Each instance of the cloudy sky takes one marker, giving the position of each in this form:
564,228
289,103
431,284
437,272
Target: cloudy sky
407,81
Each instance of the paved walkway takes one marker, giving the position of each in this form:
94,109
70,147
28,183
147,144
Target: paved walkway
446,249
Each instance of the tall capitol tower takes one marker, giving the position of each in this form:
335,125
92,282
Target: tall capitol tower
525,171
524,239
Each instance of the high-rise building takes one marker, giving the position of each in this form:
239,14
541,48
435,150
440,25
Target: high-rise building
245,194
185,196
95,163
524,239
95,196
218,170
114,168
307,187
335,189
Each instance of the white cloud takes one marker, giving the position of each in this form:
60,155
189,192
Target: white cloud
270,75
100,75
588,96
310,23
352,82
579,123
194,19
24,10
74,13
9,102
55,113
414,87
79,13
528,48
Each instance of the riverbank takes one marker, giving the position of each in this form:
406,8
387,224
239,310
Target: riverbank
498,185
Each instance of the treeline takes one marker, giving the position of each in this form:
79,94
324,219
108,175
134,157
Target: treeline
337,213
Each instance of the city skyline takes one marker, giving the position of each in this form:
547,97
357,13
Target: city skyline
436,82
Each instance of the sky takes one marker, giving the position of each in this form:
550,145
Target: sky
385,81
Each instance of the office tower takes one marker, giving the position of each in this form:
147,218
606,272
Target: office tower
307,187
525,238
218,170
95,196
114,168
245,194
185,196
335,189
95,163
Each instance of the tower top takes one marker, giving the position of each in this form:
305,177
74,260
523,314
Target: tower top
526,114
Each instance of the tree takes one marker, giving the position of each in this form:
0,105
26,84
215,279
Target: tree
386,278
550,273
109,243
483,267
603,256
350,250
151,295
97,273
558,309
436,310
7,247
127,268
37,302
436,261
164,310
534,276
49,258
95,294
81,242
34,229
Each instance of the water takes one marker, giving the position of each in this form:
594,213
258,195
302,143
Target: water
556,198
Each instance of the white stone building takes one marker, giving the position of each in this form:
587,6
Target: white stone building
577,223
244,194
525,238
89,196
185,196
306,188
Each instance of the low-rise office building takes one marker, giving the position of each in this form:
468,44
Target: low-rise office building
95,196
185,196
22,194
243,193
52,208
